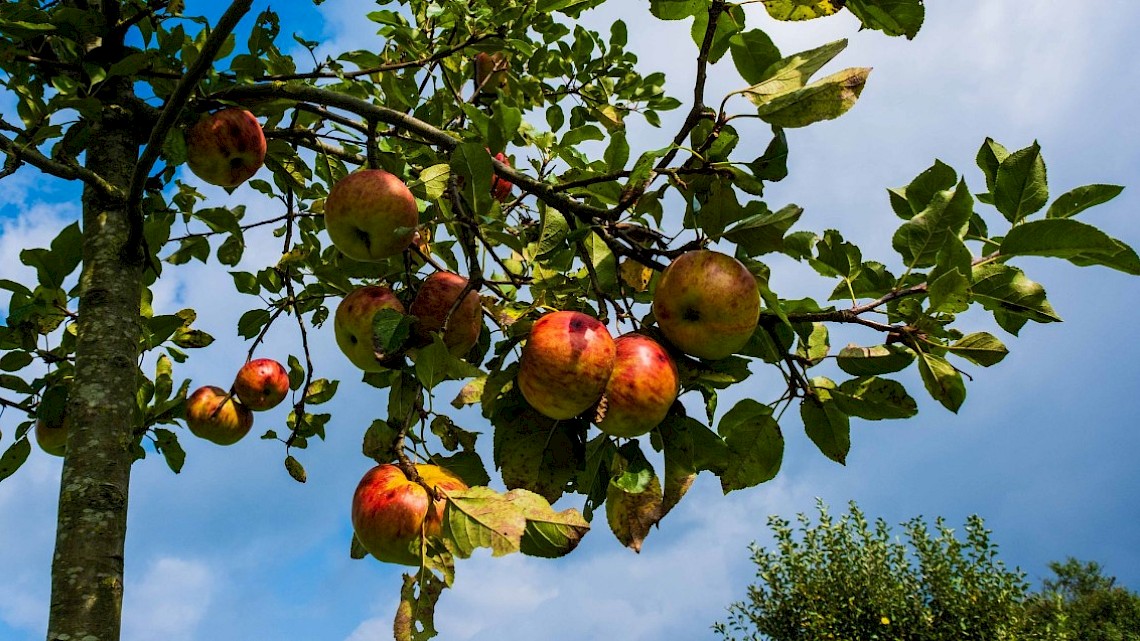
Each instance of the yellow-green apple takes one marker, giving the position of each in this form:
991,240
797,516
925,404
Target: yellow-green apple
434,300
707,304
226,147
565,364
641,388
51,436
352,325
261,384
501,187
215,416
491,71
371,215
390,512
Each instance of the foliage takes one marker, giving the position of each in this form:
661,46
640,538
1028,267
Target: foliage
1080,603
853,579
596,218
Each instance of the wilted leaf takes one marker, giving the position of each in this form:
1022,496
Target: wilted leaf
548,534
631,515
482,518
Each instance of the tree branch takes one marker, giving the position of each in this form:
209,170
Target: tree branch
59,169
430,134
173,108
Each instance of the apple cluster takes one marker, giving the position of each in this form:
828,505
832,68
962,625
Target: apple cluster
225,417
436,304
706,305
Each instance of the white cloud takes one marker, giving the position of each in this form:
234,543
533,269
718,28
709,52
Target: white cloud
168,602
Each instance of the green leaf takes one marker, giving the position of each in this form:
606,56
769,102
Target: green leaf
1006,289
892,17
755,445
763,232
814,345
166,442
752,53
664,9
251,322
432,182
466,465
14,457
1021,187
942,381
482,518
390,331
1074,202
789,74
950,293
1078,242
980,348
825,423
729,22
989,159
801,9
873,399
321,391
880,359
295,469
919,239
534,452
824,99
836,257
548,534
435,364
921,190
471,163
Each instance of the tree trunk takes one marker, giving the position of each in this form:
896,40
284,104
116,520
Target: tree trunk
87,570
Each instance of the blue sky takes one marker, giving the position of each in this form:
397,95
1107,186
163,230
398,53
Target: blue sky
1043,448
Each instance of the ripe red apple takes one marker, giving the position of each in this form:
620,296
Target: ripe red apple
389,512
51,436
261,384
434,300
352,325
225,148
641,388
707,304
500,187
371,215
208,418
565,364
491,71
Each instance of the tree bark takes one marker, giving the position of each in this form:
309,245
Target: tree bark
87,569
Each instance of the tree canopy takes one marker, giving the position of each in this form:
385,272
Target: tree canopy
505,123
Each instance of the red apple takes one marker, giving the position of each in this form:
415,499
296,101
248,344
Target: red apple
225,148
707,304
261,384
371,215
431,305
51,436
565,364
491,71
389,512
352,325
500,187
641,388
210,415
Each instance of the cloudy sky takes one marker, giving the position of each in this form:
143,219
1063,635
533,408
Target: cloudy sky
1044,448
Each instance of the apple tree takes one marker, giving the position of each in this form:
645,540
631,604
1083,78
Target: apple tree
462,203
